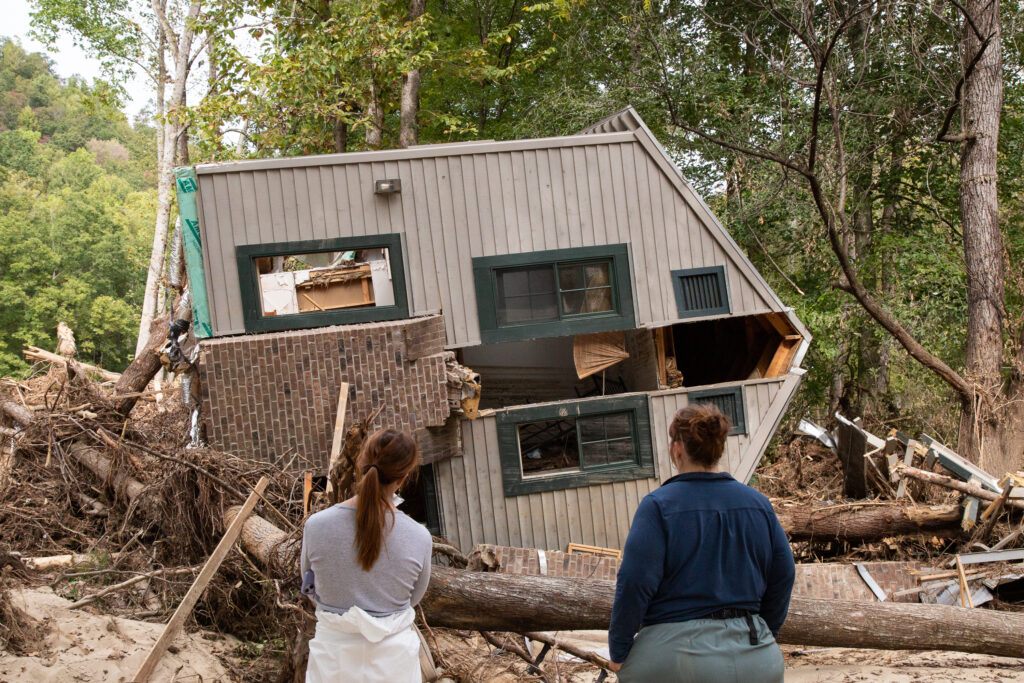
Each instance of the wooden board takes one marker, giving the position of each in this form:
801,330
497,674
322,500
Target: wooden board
192,597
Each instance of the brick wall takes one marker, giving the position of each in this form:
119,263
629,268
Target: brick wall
526,561
264,394
831,580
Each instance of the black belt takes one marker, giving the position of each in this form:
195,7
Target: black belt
733,613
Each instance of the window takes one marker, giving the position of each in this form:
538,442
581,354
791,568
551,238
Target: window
730,401
578,443
701,291
292,285
553,293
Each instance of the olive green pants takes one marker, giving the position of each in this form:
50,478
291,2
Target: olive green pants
716,650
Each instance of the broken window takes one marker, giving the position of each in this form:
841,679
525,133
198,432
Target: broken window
325,281
553,293
726,350
578,443
321,282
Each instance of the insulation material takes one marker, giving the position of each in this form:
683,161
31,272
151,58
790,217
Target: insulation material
596,352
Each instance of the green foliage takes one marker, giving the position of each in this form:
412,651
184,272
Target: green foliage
76,210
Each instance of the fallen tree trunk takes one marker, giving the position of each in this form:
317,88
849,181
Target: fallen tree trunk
18,413
140,371
36,353
458,598
955,484
865,521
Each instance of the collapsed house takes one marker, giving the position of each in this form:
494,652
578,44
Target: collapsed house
581,277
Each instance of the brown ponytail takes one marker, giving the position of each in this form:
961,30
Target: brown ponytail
701,428
387,456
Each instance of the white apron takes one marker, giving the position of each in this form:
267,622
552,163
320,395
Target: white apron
359,648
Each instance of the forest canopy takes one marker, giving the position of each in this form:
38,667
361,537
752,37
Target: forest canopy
838,143
76,202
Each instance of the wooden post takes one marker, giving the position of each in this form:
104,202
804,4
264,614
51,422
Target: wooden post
339,435
307,489
209,569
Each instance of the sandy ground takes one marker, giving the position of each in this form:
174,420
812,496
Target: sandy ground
84,647
840,664
810,665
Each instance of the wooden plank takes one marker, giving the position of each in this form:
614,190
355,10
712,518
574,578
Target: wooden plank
446,232
634,225
307,489
338,438
662,296
548,521
561,224
461,500
561,501
485,436
659,352
317,223
546,200
611,524
481,488
572,502
507,197
222,313
572,199
532,198
196,590
595,198
494,240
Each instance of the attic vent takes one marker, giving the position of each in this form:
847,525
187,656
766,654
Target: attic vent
701,291
729,401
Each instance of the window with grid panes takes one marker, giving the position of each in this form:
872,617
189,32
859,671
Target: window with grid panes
551,293
577,443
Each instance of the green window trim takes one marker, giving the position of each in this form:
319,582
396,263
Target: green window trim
621,316
516,484
252,310
694,285
731,396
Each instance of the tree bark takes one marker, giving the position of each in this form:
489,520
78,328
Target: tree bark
807,522
179,45
375,126
340,135
409,127
141,370
488,601
980,435
955,484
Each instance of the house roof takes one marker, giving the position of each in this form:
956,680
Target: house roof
623,126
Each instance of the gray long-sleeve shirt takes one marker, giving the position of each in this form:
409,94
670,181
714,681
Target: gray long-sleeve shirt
397,580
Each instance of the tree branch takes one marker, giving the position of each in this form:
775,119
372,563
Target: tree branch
955,104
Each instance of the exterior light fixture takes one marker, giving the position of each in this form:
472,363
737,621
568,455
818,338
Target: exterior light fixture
387,186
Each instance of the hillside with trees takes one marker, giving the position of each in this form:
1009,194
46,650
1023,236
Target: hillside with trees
77,196
864,155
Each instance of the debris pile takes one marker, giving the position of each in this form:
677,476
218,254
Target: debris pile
103,500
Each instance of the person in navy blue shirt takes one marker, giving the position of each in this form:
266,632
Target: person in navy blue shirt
706,573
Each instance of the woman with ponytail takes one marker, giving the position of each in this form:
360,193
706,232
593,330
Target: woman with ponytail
706,573
366,564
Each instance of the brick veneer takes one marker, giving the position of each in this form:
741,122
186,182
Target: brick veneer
832,580
264,394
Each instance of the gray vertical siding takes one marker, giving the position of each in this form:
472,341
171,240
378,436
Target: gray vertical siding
462,201
475,510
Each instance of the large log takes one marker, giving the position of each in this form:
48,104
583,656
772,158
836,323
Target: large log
488,601
36,353
865,521
955,484
140,371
